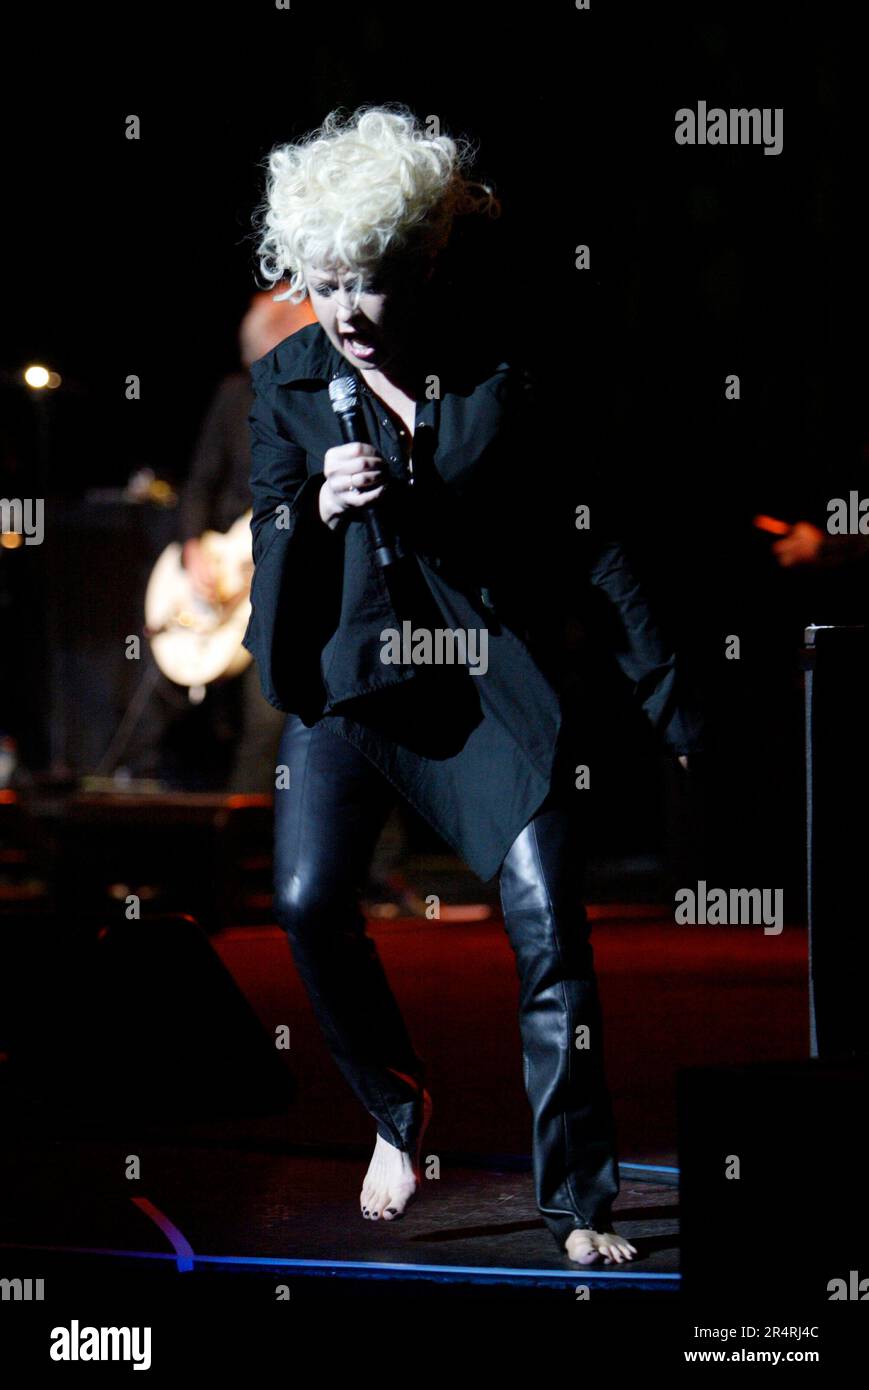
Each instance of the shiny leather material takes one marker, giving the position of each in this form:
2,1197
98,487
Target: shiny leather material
327,823
573,1136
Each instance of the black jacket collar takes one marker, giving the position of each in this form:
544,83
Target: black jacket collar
307,355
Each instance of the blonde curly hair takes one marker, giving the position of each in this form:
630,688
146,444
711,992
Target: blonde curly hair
360,190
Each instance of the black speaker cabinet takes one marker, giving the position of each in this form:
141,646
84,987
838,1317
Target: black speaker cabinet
134,1019
773,1197
836,663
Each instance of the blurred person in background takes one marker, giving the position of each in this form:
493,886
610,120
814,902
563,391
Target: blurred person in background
215,494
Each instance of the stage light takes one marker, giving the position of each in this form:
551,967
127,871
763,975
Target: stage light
37,377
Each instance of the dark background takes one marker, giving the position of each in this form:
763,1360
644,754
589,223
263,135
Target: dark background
139,257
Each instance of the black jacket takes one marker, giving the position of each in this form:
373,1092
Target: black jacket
487,522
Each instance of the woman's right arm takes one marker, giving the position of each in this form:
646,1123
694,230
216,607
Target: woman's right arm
284,497
295,598
296,588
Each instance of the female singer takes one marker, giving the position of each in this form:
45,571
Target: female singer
360,215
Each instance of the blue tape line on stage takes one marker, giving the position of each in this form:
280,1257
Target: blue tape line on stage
647,1167
372,1266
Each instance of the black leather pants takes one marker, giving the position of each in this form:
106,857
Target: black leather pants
327,824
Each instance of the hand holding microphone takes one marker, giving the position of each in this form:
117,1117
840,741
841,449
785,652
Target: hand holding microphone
344,399
353,480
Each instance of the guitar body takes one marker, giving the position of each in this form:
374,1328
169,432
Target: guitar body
196,642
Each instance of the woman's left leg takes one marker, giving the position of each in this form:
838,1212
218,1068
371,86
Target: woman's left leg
574,1141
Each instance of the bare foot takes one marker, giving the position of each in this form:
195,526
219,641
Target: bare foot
393,1176
585,1247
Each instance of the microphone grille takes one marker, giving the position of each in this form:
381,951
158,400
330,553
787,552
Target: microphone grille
343,393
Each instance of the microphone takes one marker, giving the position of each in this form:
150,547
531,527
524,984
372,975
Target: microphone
344,398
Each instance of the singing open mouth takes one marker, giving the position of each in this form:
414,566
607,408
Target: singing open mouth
360,347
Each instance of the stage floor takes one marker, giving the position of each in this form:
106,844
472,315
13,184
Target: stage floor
252,1197
247,1210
